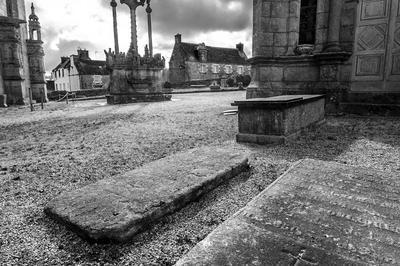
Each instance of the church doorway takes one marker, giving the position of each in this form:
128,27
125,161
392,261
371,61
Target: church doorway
377,47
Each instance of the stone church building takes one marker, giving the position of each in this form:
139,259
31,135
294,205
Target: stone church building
198,64
347,49
21,54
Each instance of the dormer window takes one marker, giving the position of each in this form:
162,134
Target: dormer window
308,20
203,68
228,69
215,69
240,70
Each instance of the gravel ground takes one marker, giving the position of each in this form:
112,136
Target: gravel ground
66,147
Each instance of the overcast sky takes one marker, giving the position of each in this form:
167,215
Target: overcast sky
69,24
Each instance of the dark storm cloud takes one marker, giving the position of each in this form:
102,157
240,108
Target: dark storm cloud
190,17
65,48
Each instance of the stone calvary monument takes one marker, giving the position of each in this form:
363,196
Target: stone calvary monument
134,77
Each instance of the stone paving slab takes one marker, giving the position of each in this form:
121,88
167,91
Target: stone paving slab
117,208
318,213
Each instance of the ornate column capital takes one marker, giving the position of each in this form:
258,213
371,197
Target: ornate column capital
148,9
113,3
133,4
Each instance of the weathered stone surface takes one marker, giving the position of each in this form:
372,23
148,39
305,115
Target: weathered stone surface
278,119
117,208
318,213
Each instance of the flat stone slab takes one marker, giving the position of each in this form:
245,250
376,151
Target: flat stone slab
117,208
318,213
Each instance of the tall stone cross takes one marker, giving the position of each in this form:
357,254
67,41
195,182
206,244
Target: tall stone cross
133,4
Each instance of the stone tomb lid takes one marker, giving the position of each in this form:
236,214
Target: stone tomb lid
317,213
277,101
119,207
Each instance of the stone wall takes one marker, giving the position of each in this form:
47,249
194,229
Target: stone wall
275,27
87,81
177,72
277,66
24,55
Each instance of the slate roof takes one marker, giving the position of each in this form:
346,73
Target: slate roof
63,65
90,67
85,66
215,54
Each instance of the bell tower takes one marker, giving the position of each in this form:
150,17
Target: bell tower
36,58
34,26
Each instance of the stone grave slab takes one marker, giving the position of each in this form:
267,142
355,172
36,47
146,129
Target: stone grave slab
278,119
317,213
117,208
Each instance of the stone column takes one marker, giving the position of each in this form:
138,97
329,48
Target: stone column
114,10
335,12
133,4
149,10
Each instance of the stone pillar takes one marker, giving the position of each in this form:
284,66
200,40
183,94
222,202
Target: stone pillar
335,11
133,4
115,25
293,26
150,30
3,97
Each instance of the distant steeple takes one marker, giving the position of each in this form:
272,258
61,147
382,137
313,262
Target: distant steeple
33,15
34,26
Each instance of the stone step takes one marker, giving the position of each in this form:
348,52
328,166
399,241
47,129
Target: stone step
366,109
117,208
317,213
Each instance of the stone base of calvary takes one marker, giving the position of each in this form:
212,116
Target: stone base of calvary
134,77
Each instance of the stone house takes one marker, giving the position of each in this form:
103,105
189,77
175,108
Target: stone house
348,49
192,63
79,72
21,54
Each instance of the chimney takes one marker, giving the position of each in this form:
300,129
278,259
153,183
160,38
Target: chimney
202,52
178,38
64,59
240,47
83,54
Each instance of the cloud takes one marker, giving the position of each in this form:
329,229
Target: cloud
65,48
68,24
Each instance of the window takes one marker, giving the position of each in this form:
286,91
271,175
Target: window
9,5
63,72
203,68
56,87
228,69
240,70
308,19
63,86
215,69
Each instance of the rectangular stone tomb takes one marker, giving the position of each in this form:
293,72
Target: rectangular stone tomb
318,213
117,208
278,119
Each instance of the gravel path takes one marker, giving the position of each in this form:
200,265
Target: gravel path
65,147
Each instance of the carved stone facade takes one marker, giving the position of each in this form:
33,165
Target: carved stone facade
21,59
134,77
353,52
